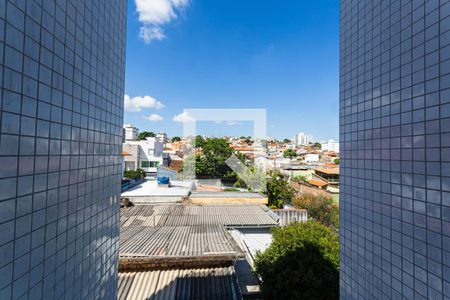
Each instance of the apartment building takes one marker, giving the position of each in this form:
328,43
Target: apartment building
330,145
395,150
130,133
61,91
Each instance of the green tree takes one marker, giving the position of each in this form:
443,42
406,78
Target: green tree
252,175
145,134
287,141
211,162
278,190
322,209
317,146
135,174
176,139
199,141
241,156
299,178
301,263
290,153
337,161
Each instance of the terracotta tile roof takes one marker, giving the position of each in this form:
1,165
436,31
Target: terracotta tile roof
330,171
243,148
315,182
176,165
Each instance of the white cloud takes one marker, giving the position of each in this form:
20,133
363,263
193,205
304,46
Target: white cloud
151,33
183,117
153,14
139,102
154,118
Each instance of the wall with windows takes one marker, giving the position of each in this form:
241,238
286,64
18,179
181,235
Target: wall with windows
147,154
395,149
61,110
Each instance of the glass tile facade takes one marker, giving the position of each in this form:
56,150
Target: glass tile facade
395,139
61,110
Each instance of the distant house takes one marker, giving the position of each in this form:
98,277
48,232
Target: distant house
243,149
311,157
294,170
318,183
145,154
331,145
172,166
329,175
291,215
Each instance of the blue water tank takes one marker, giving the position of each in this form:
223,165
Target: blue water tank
163,180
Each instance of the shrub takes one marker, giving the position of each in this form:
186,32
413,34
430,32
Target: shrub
300,178
322,209
279,191
301,263
228,189
138,174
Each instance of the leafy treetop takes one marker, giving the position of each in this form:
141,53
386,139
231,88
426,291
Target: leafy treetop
301,263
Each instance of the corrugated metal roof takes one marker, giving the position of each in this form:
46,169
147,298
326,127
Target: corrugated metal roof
288,216
214,283
210,194
184,230
175,241
187,215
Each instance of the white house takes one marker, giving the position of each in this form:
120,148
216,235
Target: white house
331,145
145,154
311,157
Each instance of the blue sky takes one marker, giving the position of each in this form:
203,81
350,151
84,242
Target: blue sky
279,55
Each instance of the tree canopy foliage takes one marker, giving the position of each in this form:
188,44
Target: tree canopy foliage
135,174
145,134
199,141
301,263
176,139
290,153
278,190
254,176
211,161
322,209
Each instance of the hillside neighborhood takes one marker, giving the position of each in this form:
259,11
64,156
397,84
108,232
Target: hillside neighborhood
174,225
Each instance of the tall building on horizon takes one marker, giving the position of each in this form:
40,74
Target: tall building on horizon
395,149
61,111
301,139
130,133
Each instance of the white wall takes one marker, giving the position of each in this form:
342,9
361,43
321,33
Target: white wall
331,145
149,150
310,157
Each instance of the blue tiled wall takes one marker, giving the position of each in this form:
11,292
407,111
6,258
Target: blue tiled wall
395,148
61,109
